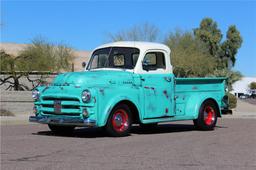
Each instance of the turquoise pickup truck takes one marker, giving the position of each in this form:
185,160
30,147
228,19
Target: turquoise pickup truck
127,83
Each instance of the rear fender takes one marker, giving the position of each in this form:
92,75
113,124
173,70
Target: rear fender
194,103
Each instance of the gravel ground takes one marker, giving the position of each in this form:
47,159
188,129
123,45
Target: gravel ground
251,101
170,146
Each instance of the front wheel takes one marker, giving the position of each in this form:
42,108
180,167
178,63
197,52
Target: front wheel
207,117
64,130
119,121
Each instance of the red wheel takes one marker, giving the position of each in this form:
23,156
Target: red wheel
207,117
119,122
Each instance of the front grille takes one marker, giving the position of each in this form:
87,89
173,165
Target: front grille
61,106
67,114
60,98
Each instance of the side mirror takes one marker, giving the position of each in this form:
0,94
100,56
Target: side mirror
83,64
145,64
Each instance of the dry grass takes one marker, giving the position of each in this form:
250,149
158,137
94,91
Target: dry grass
4,112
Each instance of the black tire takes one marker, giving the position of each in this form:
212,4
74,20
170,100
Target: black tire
119,121
62,130
148,126
207,117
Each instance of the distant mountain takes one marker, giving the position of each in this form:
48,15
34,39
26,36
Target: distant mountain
14,49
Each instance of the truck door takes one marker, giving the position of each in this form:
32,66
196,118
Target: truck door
157,86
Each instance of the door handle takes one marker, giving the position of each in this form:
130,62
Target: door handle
169,79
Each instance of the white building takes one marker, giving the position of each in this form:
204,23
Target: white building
242,86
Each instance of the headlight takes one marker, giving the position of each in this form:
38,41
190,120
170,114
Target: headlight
35,94
86,96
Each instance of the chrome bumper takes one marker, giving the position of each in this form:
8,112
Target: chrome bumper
63,121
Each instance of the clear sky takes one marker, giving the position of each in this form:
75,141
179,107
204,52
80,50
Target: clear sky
86,24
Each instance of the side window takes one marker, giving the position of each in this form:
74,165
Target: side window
99,61
95,61
153,61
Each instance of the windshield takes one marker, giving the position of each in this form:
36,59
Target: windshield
114,57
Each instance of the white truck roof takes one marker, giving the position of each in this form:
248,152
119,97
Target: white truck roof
144,47
137,44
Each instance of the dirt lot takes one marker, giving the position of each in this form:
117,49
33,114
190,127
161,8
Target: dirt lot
171,146
251,101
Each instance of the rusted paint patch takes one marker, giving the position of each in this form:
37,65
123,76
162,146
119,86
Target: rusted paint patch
165,94
166,110
152,88
102,92
194,88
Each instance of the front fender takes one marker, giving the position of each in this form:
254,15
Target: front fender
108,102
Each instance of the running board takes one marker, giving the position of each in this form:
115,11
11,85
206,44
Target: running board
158,119
162,117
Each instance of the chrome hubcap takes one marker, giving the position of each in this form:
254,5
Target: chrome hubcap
118,120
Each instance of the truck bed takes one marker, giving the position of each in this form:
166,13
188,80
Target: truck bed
199,84
191,91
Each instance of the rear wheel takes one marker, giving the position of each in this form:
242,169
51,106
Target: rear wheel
207,117
119,121
57,129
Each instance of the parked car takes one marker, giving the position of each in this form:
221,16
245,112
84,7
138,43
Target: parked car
128,83
244,96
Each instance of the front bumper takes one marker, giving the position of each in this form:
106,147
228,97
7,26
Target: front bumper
63,121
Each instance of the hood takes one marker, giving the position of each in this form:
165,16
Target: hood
93,78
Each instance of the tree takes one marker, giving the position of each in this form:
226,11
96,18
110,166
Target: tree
189,56
44,56
145,32
8,66
40,56
230,46
209,33
252,85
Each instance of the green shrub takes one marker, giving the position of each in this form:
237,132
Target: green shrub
4,112
232,101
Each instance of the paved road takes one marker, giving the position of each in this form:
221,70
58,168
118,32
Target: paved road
171,146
